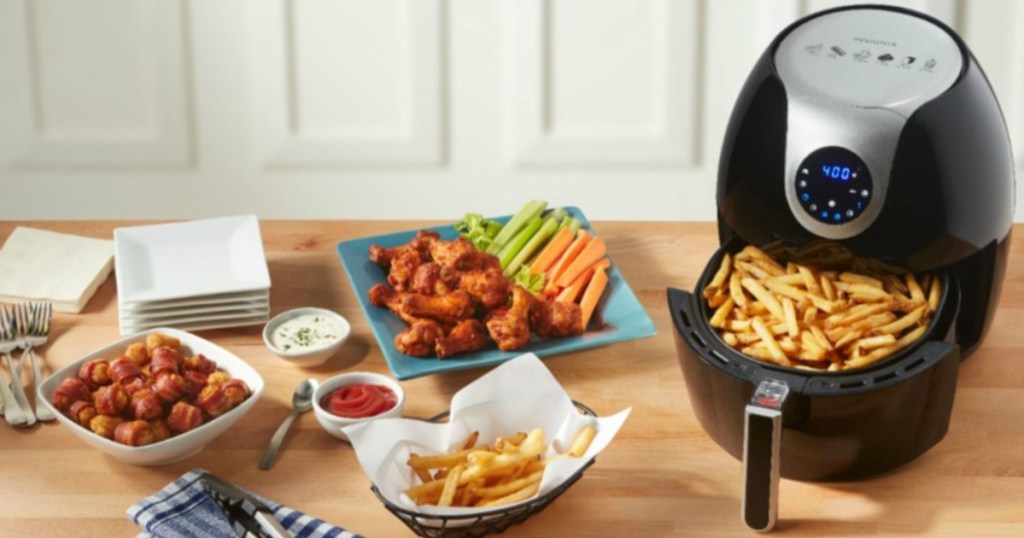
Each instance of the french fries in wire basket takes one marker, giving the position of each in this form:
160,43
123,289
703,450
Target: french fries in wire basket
481,476
800,316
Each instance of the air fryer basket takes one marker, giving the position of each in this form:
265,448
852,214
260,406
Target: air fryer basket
869,376
839,425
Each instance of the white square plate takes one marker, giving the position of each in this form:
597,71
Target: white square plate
199,323
189,259
196,302
130,316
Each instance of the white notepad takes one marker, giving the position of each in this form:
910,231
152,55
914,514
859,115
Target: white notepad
63,269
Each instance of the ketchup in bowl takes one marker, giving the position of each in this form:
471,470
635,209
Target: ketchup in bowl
360,400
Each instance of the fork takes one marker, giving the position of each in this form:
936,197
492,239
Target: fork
33,332
12,410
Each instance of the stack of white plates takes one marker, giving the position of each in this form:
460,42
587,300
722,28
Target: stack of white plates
196,275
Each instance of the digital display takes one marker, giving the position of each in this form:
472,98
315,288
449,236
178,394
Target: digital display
833,185
836,171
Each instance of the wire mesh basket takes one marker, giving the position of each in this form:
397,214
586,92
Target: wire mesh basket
483,523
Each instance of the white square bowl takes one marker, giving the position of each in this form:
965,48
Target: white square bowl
180,446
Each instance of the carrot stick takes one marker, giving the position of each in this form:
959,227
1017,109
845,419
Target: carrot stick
570,293
588,303
555,247
595,250
577,246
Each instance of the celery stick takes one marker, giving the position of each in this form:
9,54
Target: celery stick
539,239
571,223
509,251
532,209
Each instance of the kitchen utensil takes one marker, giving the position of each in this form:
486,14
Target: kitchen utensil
872,127
33,331
302,401
13,412
248,511
20,410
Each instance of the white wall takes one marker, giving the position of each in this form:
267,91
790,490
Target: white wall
395,108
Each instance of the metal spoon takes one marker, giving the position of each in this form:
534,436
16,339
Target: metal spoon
302,401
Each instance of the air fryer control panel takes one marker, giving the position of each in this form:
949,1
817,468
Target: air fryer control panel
852,79
834,185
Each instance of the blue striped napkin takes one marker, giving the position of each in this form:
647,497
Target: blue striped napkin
184,509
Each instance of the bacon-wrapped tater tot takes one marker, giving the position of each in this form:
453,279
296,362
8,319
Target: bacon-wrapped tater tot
194,382
184,417
236,391
82,412
135,385
155,340
123,370
69,391
133,433
104,425
200,363
164,361
169,388
138,353
213,401
217,378
146,405
95,373
160,430
110,400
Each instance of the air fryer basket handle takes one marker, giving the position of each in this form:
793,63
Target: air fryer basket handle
761,439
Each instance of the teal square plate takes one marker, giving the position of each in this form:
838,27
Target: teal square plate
619,315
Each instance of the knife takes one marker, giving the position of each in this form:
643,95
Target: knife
255,517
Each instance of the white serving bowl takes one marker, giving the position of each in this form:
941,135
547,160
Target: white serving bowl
179,446
311,357
332,423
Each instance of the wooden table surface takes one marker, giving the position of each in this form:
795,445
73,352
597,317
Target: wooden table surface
662,476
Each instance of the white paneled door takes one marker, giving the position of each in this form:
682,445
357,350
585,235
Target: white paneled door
352,109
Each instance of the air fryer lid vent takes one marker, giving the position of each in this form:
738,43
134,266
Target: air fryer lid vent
869,58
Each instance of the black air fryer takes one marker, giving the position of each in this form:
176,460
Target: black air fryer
873,127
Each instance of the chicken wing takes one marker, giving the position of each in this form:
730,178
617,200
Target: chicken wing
403,267
461,255
448,308
488,287
420,338
427,280
555,319
467,335
510,327
381,295
421,243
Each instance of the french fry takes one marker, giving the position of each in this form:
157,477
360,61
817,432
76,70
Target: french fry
451,484
790,313
470,441
902,323
856,278
582,441
934,294
439,461
736,291
718,320
421,472
916,293
769,341
720,276
764,297
520,495
872,342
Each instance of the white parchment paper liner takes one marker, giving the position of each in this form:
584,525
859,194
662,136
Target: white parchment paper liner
519,395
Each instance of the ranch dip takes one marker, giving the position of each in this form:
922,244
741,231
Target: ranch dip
306,332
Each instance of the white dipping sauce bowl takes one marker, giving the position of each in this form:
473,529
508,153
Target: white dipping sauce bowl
306,358
332,423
